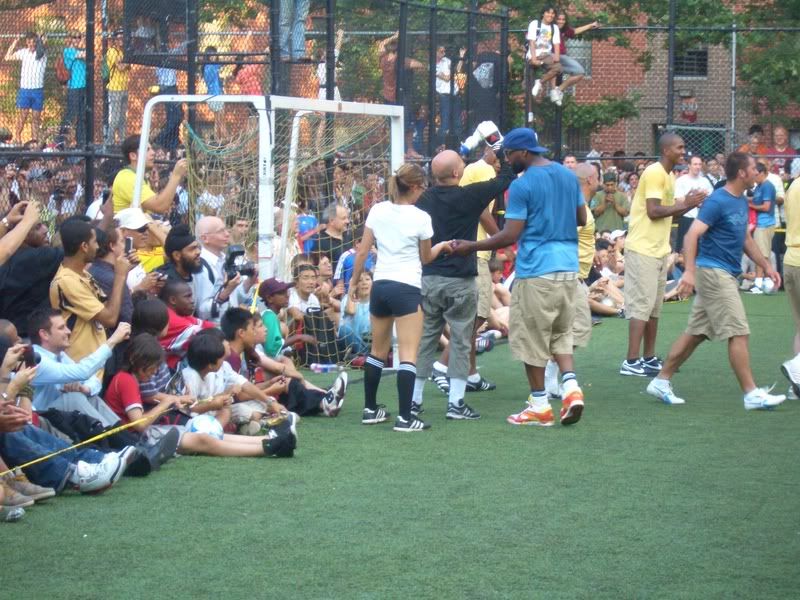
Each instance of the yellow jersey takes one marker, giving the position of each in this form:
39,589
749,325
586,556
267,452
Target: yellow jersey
586,246
117,77
122,190
475,173
647,236
792,207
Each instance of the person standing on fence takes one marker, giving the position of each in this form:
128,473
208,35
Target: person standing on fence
30,97
118,74
75,63
169,137
448,92
569,66
714,246
293,29
544,50
647,252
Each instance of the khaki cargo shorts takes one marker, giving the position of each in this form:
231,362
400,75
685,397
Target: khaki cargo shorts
645,280
717,311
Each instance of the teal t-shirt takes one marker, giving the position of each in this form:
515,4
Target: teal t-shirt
274,341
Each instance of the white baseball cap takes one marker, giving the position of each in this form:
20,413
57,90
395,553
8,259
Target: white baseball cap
131,218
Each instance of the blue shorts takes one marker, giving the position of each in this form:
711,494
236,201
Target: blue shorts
393,299
30,99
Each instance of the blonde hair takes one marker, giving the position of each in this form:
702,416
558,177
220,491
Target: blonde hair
408,175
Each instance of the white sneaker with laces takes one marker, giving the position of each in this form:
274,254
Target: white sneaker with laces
556,96
97,478
791,370
537,88
756,290
761,399
662,389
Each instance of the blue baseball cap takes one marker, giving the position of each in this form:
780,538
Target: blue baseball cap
523,138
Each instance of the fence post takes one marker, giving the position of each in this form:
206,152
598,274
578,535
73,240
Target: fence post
470,58
433,44
274,47
733,88
671,65
400,62
503,69
330,85
192,32
88,115
103,51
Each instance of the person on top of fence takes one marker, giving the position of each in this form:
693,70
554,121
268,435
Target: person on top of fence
30,97
118,74
544,50
74,57
569,66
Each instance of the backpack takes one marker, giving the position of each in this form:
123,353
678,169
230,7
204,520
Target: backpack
532,49
62,72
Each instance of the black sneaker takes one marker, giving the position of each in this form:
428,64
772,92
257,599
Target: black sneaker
632,368
416,409
372,417
461,412
482,385
441,380
281,440
413,424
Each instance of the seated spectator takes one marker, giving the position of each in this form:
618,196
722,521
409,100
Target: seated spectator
147,238
544,50
354,328
213,286
143,357
610,206
60,382
245,332
183,257
570,66
84,306
275,295
336,238
182,325
344,268
301,296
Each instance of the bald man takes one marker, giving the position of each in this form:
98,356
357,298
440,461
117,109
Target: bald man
449,287
213,287
647,250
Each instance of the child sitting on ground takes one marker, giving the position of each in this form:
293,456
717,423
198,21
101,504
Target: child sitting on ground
183,325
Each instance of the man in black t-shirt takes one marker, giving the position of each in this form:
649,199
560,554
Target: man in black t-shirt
336,238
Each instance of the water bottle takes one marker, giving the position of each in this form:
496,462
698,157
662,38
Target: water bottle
324,367
486,131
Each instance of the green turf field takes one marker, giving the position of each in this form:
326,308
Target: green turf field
638,500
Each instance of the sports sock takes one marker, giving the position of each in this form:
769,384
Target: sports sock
373,367
567,375
474,378
439,366
458,388
631,362
406,374
539,400
419,386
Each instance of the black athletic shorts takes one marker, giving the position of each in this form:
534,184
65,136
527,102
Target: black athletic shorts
393,299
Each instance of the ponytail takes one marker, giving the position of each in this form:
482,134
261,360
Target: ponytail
407,176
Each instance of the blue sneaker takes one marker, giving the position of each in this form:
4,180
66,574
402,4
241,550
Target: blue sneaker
662,389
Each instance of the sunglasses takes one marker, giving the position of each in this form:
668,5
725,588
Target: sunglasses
142,229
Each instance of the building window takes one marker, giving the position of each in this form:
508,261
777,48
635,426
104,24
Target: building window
691,63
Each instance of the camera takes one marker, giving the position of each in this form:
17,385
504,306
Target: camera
236,263
29,357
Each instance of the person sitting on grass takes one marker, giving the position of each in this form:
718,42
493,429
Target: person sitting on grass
244,333
354,327
144,356
183,325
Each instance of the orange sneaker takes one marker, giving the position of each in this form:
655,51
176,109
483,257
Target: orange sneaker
531,417
572,406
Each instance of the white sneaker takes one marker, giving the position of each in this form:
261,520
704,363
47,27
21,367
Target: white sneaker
790,395
537,88
334,398
791,370
755,290
662,389
556,96
97,478
551,385
761,399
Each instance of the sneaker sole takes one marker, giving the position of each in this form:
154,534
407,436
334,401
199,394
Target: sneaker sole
631,374
407,430
795,386
455,417
573,414
374,421
534,423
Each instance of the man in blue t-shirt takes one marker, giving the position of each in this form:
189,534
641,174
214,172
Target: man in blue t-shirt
74,56
764,198
717,311
545,208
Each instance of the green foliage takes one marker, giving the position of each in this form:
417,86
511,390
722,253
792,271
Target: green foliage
607,112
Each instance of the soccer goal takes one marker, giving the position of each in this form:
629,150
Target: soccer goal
250,156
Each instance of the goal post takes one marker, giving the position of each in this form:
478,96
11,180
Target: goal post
283,140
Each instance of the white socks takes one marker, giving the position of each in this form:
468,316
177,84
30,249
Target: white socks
419,386
474,378
458,387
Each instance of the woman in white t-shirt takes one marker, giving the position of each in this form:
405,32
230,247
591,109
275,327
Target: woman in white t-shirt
402,233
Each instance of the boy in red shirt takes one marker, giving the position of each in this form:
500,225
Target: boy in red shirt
183,325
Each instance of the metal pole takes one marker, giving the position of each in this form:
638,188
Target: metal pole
330,49
671,64
88,114
503,69
103,51
400,63
733,88
433,45
470,58
274,46
192,30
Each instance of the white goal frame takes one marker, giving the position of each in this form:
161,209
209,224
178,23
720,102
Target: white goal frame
266,106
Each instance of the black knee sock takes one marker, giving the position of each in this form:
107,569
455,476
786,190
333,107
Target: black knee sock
406,376
373,367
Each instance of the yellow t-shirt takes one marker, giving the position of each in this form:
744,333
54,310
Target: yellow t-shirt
586,246
645,235
122,190
79,299
792,207
117,78
476,173
151,259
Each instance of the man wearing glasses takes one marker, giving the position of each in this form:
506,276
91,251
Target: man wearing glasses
74,61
